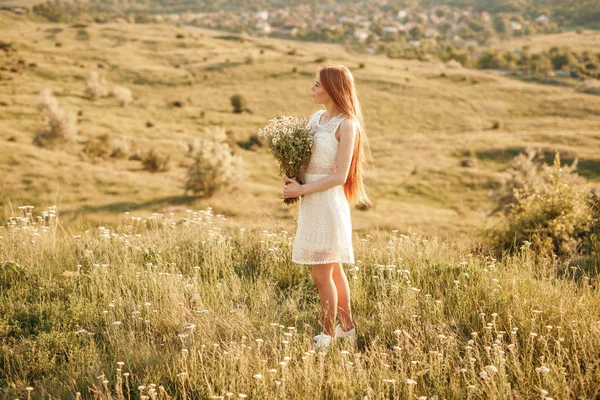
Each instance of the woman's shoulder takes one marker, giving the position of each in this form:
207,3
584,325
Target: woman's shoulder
318,112
314,117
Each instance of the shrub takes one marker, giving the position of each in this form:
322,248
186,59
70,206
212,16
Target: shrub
550,214
213,167
123,95
589,86
155,162
98,147
239,103
120,147
523,171
96,87
61,123
452,63
105,146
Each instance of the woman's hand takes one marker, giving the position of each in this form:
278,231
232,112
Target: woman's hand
291,189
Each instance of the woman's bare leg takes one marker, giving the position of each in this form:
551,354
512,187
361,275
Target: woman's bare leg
322,274
343,295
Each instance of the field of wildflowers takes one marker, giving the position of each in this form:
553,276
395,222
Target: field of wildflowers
194,306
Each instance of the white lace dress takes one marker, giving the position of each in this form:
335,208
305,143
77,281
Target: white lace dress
324,233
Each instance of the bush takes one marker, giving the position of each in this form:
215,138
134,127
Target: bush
239,104
213,167
155,162
123,95
523,171
589,86
452,63
98,147
105,146
96,87
61,123
120,147
550,214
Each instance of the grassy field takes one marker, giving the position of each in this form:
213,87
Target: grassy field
422,119
190,309
122,293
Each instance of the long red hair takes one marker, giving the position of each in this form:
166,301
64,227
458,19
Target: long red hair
338,82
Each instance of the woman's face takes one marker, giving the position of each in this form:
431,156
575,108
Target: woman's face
319,95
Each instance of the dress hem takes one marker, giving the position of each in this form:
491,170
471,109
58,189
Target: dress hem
323,262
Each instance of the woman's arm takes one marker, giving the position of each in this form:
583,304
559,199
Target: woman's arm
348,130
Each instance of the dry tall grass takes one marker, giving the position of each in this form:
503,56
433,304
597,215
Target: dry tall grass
197,307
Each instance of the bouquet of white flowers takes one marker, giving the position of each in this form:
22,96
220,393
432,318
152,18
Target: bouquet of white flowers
290,140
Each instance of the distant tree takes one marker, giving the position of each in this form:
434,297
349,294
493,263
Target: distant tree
444,27
500,24
416,32
490,59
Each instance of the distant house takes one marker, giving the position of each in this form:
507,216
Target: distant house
542,18
402,14
370,51
290,28
361,34
415,43
262,15
485,16
515,26
263,27
390,29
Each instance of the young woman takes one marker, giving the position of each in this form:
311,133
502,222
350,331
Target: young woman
333,179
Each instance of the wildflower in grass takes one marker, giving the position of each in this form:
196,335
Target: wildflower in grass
542,370
491,368
258,377
411,382
290,140
389,381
